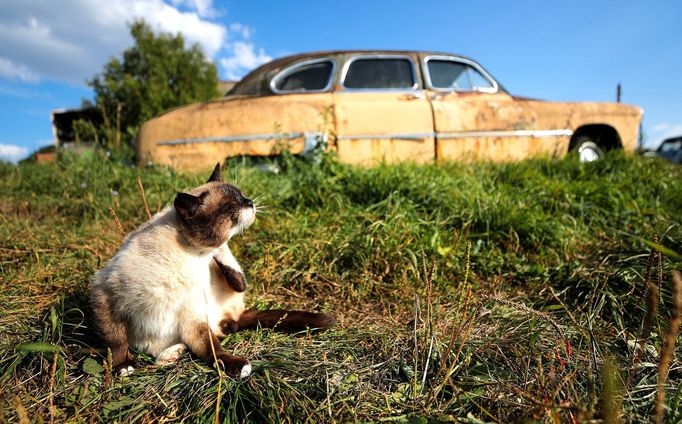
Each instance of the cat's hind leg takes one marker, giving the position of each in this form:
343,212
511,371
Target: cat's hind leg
203,342
170,354
112,329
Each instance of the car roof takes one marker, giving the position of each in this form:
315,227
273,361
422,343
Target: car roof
283,62
322,53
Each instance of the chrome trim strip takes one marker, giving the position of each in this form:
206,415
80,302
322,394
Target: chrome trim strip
461,134
344,72
313,139
232,139
379,91
427,76
512,133
408,136
291,69
405,136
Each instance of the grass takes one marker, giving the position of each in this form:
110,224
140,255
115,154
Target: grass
471,292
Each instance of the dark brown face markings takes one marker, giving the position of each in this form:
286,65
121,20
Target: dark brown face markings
210,212
234,278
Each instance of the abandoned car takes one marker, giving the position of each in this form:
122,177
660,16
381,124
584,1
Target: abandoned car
374,106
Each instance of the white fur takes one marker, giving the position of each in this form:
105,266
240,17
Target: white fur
126,371
161,284
246,371
171,354
246,218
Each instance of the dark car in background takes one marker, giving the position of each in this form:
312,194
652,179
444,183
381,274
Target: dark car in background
671,149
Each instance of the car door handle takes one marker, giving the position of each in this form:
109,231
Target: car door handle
440,96
413,96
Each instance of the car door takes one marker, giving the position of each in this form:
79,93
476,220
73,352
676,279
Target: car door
292,115
381,111
475,119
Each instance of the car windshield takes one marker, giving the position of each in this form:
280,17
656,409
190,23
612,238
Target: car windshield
380,73
457,76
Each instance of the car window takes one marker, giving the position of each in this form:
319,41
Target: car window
672,145
457,76
478,81
449,75
307,77
380,73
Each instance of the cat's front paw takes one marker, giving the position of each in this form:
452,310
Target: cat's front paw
171,354
125,369
234,278
228,326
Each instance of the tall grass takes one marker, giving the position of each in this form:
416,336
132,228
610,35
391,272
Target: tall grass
489,291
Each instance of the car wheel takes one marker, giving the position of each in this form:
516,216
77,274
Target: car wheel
587,150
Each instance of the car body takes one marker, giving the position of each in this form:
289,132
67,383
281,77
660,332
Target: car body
382,106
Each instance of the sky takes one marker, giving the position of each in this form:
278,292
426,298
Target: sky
570,51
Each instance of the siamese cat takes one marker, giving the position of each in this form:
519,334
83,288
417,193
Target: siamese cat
174,284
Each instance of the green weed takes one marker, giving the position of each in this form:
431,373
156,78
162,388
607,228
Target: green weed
472,292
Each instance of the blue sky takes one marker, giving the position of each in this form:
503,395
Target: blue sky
575,50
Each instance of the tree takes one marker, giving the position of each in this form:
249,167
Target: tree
157,73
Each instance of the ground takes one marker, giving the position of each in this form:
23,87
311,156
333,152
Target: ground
471,292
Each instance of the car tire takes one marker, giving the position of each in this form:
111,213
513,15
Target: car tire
587,149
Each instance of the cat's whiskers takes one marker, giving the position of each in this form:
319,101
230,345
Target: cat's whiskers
260,206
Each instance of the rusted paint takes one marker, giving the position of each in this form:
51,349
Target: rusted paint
457,112
360,114
372,127
500,149
229,117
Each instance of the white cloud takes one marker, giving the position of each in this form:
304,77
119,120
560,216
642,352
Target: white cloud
204,8
243,57
13,72
12,152
72,40
242,30
663,130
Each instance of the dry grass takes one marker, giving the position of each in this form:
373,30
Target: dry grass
494,293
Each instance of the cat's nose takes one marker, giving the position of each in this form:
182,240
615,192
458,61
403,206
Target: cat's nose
248,202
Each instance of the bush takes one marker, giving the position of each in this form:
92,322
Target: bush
157,73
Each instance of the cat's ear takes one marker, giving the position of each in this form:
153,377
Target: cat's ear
215,176
187,205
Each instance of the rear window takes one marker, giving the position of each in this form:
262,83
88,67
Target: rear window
380,73
315,76
457,76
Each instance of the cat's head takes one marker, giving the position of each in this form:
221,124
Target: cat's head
213,212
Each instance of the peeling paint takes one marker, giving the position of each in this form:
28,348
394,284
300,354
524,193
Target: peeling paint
377,126
290,115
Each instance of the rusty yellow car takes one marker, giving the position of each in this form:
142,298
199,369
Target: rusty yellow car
382,106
